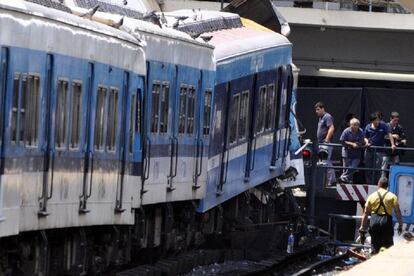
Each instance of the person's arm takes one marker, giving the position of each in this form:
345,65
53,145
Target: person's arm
351,144
403,137
399,217
393,147
366,140
330,133
364,222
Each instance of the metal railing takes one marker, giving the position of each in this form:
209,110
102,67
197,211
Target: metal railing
374,151
355,5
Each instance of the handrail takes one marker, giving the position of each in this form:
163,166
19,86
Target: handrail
176,156
147,161
172,147
199,164
254,154
52,158
369,147
201,157
89,192
227,166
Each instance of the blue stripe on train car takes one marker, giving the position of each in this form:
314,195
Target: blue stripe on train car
235,187
28,61
166,72
239,69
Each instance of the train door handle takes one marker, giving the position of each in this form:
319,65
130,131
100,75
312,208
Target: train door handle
88,193
147,162
201,150
227,165
52,166
254,154
172,148
176,156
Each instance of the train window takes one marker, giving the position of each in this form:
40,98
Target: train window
181,109
22,111
234,111
76,115
191,108
112,122
15,107
32,110
244,111
164,107
61,113
132,117
260,110
155,106
207,112
99,118
269,106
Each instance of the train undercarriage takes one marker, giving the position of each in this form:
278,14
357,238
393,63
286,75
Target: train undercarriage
160,231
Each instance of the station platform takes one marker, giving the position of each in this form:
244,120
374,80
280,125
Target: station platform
395,261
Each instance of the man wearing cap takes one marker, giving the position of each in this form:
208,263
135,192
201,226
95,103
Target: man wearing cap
380,206
324,134
375,133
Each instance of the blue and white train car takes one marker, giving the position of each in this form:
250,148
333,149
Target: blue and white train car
180,80
253,86
69,98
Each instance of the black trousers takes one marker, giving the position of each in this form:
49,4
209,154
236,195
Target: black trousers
381,232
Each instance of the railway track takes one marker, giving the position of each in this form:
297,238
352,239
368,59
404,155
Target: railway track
232,262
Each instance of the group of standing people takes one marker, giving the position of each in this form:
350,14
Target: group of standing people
381,204
375,136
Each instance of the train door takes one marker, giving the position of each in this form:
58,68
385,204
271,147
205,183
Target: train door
184,132
121,140
87,125
284,112
237,139
161,144
220,134
204,102
129,143
260,127
280,83
66,142
45,125
264,123
3,88
105,142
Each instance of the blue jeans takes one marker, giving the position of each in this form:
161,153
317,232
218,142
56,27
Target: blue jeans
330,173
349,173
374,160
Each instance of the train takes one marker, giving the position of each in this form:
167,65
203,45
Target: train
122,142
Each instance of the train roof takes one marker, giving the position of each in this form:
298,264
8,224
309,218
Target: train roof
93,40
241,41
231,35
163,43
172,46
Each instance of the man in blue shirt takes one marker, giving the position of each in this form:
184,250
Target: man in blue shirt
324,134
400,138
375,133
353,139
